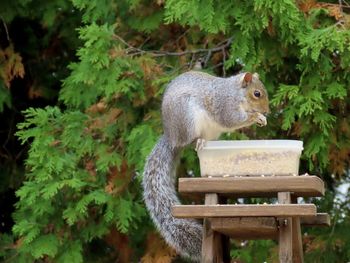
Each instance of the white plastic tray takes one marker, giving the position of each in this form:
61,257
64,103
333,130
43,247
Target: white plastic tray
250,158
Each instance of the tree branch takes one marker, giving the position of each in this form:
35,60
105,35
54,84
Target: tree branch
134,51
6,30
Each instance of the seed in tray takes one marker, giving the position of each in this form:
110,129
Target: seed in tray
257,163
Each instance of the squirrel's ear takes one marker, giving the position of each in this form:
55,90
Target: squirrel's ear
247,79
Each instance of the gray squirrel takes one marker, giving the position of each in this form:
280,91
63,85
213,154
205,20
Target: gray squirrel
196,107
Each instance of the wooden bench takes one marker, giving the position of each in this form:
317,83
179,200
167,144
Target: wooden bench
280,221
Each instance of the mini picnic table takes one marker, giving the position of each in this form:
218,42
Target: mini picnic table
280,221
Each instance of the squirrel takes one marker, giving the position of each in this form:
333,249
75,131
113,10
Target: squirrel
196,106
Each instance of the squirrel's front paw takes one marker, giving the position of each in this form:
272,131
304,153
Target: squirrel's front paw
200,144
260,119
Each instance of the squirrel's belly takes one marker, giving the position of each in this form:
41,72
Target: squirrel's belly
205,127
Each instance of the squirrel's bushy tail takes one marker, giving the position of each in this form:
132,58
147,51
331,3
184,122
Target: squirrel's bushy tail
159,194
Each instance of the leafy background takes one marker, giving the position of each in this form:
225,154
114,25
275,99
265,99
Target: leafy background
80,90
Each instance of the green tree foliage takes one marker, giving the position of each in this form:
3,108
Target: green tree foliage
81,198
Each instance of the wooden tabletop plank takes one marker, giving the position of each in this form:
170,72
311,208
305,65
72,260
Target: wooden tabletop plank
303,186
246,227
321,219
276,210
260,227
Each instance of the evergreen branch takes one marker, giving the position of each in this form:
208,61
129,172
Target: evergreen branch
133,51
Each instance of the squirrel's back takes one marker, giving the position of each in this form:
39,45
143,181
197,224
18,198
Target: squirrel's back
188,81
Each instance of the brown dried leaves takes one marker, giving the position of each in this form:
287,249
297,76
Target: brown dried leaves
11,65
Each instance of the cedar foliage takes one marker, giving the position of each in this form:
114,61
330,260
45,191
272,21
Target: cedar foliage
81,198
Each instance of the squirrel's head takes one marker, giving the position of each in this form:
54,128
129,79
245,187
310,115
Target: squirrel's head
256,94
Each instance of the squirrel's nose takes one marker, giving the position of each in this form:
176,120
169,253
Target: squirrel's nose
267,112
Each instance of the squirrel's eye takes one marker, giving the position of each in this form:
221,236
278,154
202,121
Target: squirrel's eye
257,93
